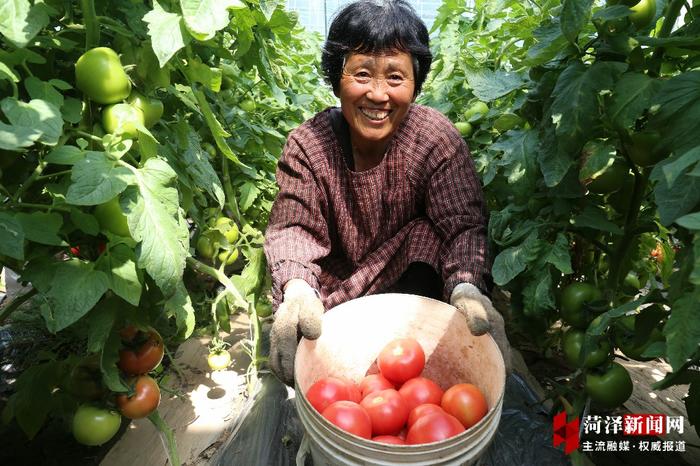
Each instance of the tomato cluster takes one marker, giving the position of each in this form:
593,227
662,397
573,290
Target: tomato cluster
397,406
218,243
143,351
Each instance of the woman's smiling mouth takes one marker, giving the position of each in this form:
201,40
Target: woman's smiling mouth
375,114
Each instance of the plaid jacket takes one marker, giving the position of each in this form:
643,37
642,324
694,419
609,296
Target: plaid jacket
350,234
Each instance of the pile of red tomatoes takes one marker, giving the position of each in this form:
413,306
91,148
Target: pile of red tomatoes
397,405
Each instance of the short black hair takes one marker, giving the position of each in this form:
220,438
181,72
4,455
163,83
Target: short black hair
375,27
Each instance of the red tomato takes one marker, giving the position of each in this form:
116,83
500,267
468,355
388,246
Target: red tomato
388,411
142,352
390,439
400,360
422,410
419,391
465,402
350,417
374,383
433,428
328,390
145,399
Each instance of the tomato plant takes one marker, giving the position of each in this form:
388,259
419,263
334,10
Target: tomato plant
351,417
420,390
143,351
401,359
99,73
433,427
465,402
145,398
388,411
95,426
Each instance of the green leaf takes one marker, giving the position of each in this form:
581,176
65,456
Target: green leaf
559,254
197,162
489,85
204,17
165,31
11,237
549,41
553,160
8,74
42,227
690,221
633,93
97,179
247,195
598,156
254,271
65,155
119,265
682,331
38,115
692,404
676,200
108,363
537,295
100,322
155,222
204,74
574,15
75,289
509,263
180,306
17,137
595,217
39,89
575,107
20,22
32,398
85,222
675,166
72,110
694,277
518,147
679,112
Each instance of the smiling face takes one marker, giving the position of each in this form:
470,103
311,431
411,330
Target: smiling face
376,92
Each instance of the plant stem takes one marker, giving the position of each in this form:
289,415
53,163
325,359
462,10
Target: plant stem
16,303
92,25
29,205
230,195
167,436
30,181
201,267
670,16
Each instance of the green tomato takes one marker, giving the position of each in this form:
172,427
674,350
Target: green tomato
219,360
572,344
263,308
620,200
610,388
94,426
248,105
476,112
228,256
629,344
112,219
122,119
611,179
99,74
507,121
645,150
209,149
464,128
152,108
229,228
643,13
631,284
573,299
205,247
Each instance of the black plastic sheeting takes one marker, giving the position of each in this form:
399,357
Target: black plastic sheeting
271,432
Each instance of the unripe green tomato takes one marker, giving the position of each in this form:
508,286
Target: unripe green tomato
209,149
122,119
464,128
112,219
645,150
228,256
248,105
205,247
507,121
94,426
99,74
631,284
625,339
572,345
478,108
572,301
219,360
610,388
643,13
152,108
611,179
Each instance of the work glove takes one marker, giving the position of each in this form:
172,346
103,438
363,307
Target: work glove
299,314
481,316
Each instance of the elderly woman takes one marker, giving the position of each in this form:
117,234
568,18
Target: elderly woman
377,195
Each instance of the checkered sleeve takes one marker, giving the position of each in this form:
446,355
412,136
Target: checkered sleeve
297,236
455,204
